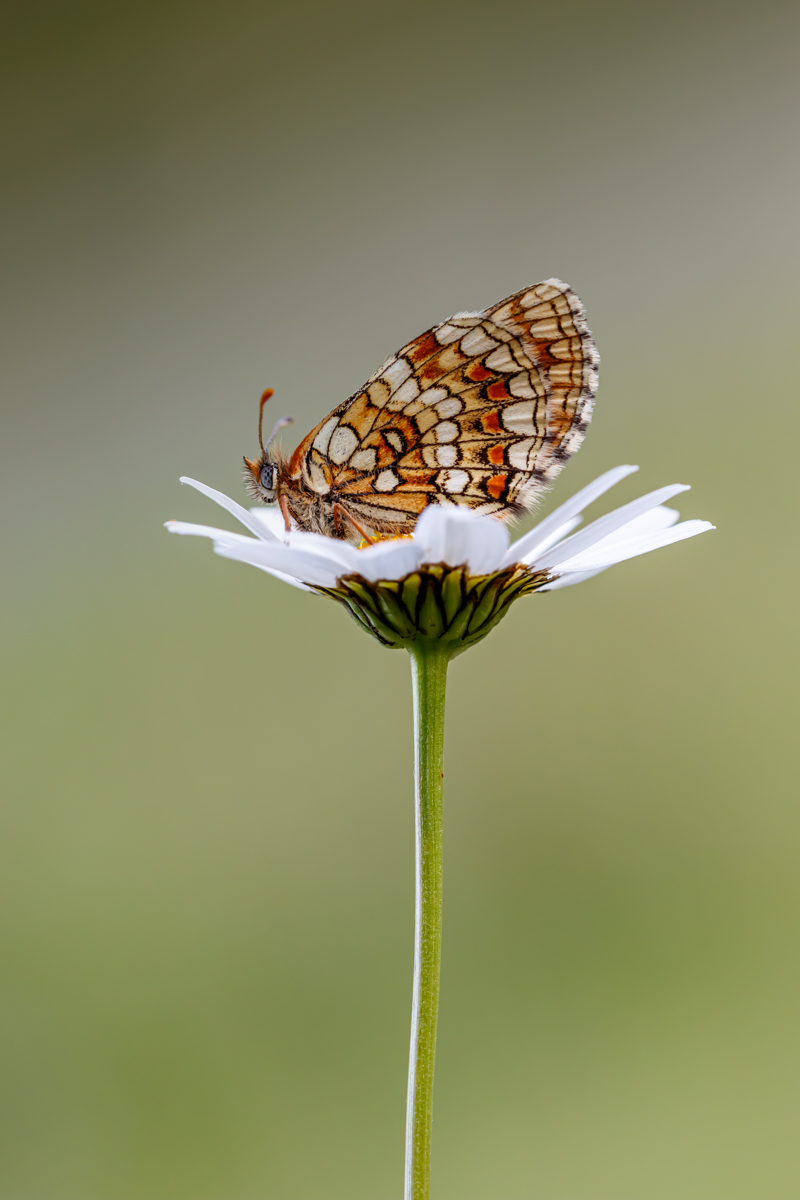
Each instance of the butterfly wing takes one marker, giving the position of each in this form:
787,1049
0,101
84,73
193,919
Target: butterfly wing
481,411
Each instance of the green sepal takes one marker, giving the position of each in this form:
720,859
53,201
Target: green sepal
435,604
431,622
409,590
452,595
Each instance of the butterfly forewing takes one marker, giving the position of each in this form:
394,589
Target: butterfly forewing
480,411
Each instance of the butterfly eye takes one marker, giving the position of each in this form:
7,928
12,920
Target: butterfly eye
268,477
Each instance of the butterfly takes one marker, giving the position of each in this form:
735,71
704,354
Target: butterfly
482,412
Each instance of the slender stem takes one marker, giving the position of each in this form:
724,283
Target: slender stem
429,659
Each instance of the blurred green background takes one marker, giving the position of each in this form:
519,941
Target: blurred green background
206,844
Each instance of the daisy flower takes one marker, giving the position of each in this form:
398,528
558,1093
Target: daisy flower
436,593
455,578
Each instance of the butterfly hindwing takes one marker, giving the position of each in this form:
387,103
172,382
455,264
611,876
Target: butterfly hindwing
479,411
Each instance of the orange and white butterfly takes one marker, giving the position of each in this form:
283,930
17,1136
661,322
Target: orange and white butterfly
481,411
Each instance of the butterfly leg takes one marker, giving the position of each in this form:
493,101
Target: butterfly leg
340,511
284,507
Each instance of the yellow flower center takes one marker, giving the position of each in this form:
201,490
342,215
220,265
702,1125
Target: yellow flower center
384,537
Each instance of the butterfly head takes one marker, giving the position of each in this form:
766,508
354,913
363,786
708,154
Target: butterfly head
261,474
260,479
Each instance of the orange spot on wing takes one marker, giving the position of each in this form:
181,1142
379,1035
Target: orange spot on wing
296,461
361,415
495,455
416,480
424,348
352,487
498,391
496,486
387,455
491,422
477,372
434,368
413,461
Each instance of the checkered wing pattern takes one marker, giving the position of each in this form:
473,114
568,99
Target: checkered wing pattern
481,411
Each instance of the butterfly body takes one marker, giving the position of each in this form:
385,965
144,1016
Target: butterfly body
481,411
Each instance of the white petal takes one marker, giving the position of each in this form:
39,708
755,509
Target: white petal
272,520
560,532
223,537
454,537
236,510
602,527
204,531
390,559
603,555
568,580
300,564
286,579
653,521
642,526
342,554
535,540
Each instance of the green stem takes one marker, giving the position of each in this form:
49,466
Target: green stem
429,659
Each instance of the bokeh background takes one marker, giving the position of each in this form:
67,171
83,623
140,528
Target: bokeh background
206,845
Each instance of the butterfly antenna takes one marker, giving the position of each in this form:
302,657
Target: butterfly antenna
279,424
264,398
